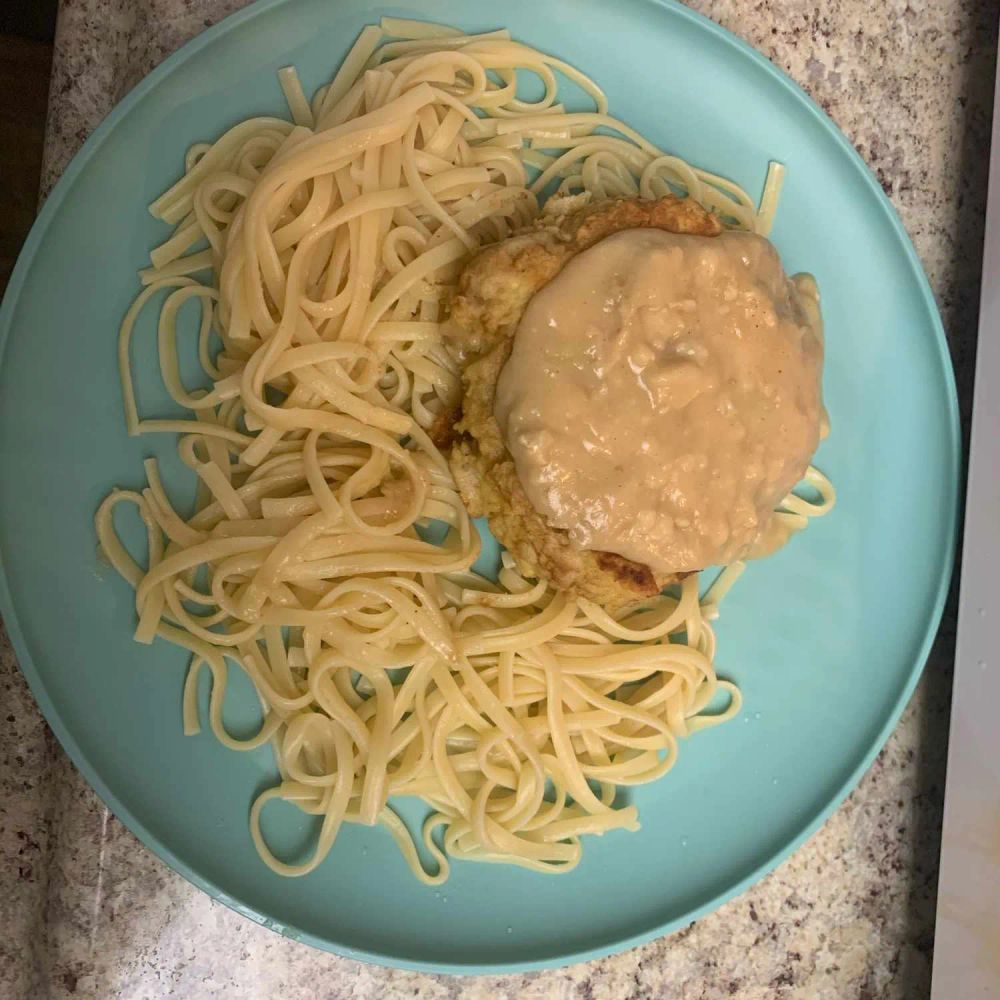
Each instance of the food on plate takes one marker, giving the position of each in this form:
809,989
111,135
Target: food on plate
642,389
312,269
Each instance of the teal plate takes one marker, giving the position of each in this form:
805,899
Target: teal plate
826,639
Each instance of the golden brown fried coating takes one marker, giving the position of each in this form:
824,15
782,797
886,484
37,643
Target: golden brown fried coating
493,292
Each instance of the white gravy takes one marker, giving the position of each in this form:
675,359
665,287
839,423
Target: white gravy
663,395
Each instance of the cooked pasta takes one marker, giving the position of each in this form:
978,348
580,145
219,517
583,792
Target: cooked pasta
329,554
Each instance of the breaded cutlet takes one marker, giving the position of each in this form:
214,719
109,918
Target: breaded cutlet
493,292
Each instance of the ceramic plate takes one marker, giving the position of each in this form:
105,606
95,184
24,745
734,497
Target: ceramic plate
826,639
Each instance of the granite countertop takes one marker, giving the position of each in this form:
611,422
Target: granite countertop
88,912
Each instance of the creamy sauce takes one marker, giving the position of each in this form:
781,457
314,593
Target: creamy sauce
663,395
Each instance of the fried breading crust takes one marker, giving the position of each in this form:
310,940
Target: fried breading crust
493,292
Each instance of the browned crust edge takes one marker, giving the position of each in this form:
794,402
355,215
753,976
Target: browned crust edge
493,291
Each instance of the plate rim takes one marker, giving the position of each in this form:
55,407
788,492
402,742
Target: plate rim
609,945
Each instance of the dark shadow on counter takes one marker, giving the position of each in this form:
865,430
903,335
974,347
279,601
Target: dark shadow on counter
959,304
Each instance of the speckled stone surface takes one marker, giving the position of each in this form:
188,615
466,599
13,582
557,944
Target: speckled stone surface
86,911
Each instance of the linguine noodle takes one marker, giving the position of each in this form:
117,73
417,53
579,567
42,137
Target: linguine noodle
329,553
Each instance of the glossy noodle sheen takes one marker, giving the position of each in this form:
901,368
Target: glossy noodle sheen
328,247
